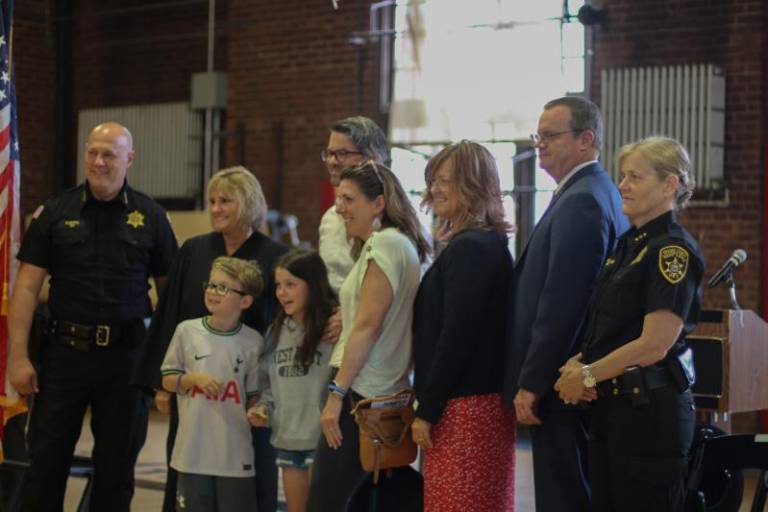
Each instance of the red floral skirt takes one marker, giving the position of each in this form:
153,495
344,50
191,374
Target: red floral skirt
472,465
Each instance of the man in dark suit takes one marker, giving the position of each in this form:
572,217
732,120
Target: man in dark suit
551,288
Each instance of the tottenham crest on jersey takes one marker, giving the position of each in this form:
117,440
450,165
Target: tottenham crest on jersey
673,263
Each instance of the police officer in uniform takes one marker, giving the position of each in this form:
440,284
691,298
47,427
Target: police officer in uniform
100,242
634,363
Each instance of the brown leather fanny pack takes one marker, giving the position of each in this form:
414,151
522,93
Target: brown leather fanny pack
385,431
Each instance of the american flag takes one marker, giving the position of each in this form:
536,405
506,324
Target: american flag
10,403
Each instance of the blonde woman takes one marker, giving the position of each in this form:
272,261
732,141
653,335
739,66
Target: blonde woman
237,208
633,357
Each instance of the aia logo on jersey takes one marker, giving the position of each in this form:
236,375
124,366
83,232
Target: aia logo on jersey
231,392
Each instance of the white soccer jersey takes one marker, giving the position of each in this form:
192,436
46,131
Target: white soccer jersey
214,436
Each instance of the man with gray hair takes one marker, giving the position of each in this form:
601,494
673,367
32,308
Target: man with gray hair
351,141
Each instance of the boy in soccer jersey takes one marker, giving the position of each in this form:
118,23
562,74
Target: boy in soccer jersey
212,366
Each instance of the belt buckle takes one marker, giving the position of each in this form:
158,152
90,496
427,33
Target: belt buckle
102,335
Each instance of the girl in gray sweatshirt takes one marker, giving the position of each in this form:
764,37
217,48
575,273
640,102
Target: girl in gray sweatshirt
294,369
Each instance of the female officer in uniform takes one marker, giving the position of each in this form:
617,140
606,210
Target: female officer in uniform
645,302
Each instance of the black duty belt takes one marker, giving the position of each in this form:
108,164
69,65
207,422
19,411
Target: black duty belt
636,381
86,337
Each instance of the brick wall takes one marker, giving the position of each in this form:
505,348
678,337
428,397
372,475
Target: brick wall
140,51
730,34
34,43
122,52
292,72
130,52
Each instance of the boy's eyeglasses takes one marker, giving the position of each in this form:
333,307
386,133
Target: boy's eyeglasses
220,289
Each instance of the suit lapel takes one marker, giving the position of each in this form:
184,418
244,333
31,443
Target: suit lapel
590,169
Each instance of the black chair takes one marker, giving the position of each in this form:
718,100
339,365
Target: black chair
398,490
282,225
14,467
81,467
11,475
715,483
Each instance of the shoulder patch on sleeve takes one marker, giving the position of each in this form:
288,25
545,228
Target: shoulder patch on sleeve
673,263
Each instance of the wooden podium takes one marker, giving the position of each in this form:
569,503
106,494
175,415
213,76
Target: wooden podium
730,350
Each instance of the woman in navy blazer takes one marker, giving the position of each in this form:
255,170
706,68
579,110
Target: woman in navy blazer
459,338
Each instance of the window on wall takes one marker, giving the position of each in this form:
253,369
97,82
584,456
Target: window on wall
480,70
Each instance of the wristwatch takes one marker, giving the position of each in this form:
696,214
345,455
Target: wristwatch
589,379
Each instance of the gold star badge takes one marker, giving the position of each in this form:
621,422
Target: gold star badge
673,263
135,219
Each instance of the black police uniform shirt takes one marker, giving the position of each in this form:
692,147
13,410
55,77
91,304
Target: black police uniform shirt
100,254
656,267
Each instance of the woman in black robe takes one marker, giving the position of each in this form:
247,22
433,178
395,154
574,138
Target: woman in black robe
237,208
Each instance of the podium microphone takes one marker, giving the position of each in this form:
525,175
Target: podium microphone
738,257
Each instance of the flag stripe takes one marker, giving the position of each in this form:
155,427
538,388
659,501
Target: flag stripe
10,403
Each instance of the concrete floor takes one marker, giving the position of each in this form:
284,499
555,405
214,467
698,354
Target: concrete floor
150,469
150,473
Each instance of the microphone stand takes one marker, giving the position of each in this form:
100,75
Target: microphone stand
732,291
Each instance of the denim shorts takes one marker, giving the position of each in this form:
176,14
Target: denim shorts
299,459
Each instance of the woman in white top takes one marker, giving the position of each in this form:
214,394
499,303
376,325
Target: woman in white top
373,355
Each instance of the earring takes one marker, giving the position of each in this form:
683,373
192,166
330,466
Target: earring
376,224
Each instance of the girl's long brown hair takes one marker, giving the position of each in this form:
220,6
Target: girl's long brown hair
321,302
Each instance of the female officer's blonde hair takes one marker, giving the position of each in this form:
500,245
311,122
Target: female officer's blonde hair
668,158
241,183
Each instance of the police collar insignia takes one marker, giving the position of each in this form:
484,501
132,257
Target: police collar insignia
640,256
38,212
135,219
673,263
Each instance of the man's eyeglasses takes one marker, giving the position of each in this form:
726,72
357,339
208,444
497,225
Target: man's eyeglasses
339,155
220,289
546,138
